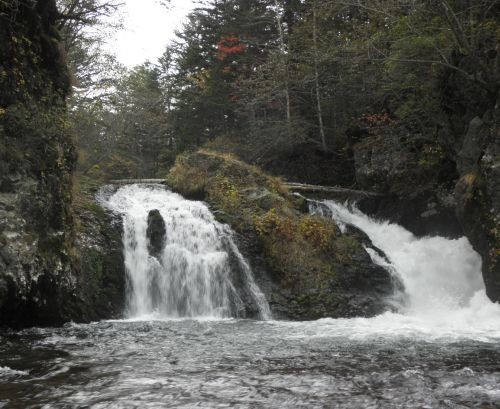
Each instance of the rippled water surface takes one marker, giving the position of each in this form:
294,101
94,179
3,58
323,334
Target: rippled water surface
247,364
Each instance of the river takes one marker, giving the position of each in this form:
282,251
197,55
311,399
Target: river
247,364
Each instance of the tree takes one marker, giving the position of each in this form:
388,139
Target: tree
221,44
276,76
284,66
85,25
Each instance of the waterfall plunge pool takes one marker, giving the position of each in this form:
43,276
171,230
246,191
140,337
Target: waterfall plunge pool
442,350
231,363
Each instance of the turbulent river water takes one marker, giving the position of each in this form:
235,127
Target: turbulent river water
440,350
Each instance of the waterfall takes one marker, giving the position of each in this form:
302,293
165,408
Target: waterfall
191,275
442,277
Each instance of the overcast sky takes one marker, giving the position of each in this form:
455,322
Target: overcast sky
148,27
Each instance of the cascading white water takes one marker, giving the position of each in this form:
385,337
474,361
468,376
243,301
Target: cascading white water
191,276
442,277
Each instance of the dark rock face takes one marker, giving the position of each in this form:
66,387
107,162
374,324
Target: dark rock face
431,192
477,194
358,287
156,232
37,282
54,267
99,266
415,178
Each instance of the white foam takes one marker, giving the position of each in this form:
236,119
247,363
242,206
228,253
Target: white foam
444,291
191,277
6,371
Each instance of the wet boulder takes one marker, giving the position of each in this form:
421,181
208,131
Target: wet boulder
156,232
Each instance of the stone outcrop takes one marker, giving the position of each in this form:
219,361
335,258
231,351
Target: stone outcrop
304,265
99,262
156,233
477,194
446,186
414,178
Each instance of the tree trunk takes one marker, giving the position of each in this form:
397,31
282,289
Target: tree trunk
285,68
316,80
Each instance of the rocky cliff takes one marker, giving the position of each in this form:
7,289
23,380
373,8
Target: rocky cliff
439,184
42,278
477,193
36,161
98,262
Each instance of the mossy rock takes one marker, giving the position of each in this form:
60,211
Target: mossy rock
306,257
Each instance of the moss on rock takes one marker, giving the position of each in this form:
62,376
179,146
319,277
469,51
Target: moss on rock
98,262
306,257
36,161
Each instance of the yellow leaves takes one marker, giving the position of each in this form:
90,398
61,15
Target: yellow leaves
200,79
318,231
431,155
308,229
495,232
266,223
272,223
276,184
2,111
226,192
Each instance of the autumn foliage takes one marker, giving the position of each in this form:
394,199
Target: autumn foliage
380,119
229,46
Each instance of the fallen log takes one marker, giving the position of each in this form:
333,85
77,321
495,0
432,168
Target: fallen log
133,181
330,191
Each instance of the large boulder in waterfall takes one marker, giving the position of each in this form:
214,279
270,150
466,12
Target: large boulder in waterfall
156,232
305,266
